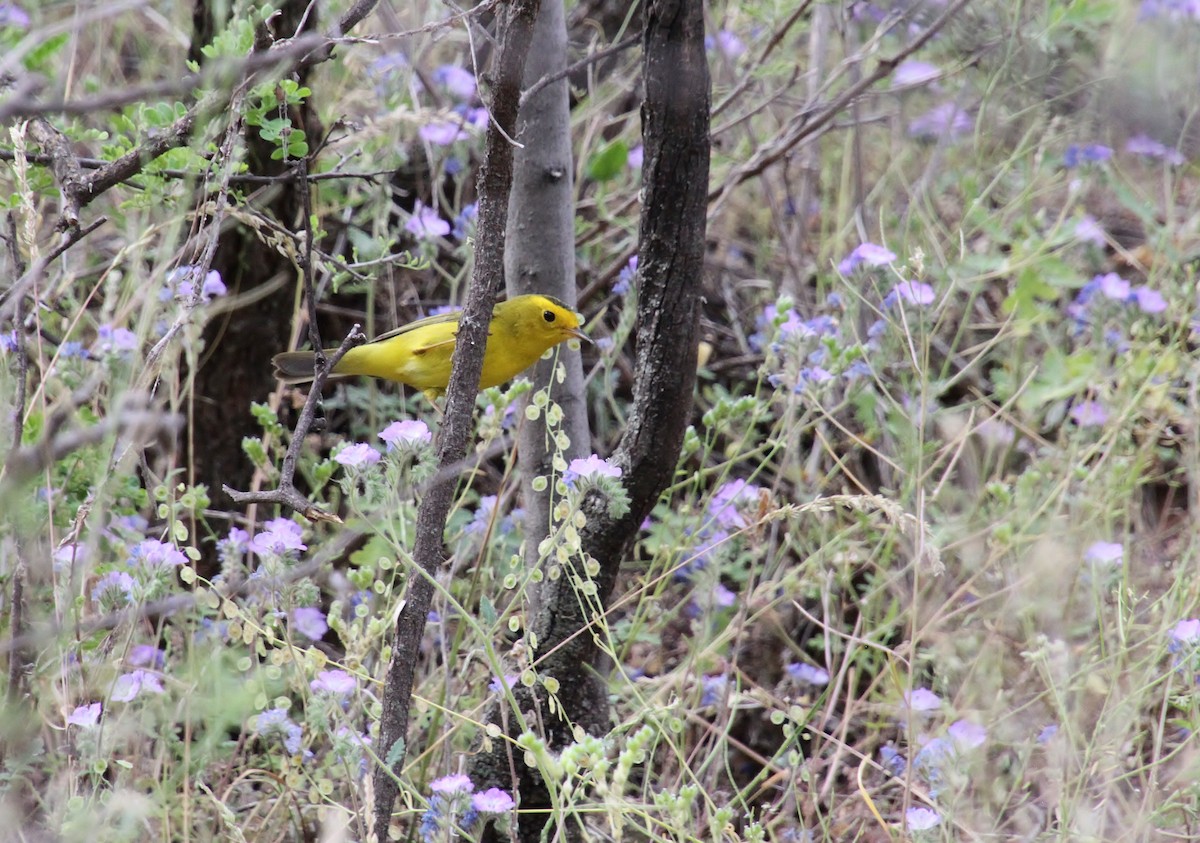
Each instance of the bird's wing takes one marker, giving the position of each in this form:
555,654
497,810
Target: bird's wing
425,349
439,319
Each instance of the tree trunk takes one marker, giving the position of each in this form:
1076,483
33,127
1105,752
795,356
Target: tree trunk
675,129
539,255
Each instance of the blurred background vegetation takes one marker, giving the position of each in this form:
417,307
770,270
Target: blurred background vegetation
925,568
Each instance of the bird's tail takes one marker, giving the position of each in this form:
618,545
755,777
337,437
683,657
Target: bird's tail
294,366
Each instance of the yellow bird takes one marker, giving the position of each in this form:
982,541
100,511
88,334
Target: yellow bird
418,354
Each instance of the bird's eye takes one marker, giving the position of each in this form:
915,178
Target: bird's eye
548,315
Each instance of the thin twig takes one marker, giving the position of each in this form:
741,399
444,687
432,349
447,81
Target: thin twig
18,262
9,299
494,185
811,120
286,493
235,179
551,78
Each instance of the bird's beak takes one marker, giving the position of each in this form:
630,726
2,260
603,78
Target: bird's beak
578,334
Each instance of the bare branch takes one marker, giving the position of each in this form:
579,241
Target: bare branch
809,121
494,185
286,493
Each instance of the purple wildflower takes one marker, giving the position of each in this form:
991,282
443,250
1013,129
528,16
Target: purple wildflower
866,253
114,589
281,536
1089,414
405,435
1186,632
146,655
119,341
465,221
807,674
922,700
728,501
426,223
723,597
442,133
1104,553
458,81
13,16
912,72
946,120
1150,148
1089,154
589,468
1090,231
359,455
1112,286
1148,300
129,686
967,735
275,723
85,716
625,277
912,292
714,688
233,546
309,622
453,783
151,553
334,682
921,819
500,683
729,45
492,801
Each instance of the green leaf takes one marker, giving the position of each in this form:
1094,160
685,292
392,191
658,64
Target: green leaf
395,754
609,162
37,59
487,611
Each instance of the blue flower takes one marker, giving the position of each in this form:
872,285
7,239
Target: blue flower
280,538
947,119
151,553
85,716
233,546
336,683
589,468
492,801
357,456
425,223
310,622
866,253
465,221
129,686
275,723
406,435
1091,153
116,341
921,819
807,674
1150,148
458,81
714,688
114,589
625,277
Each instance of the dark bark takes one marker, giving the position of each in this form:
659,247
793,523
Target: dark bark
675,128
495,180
